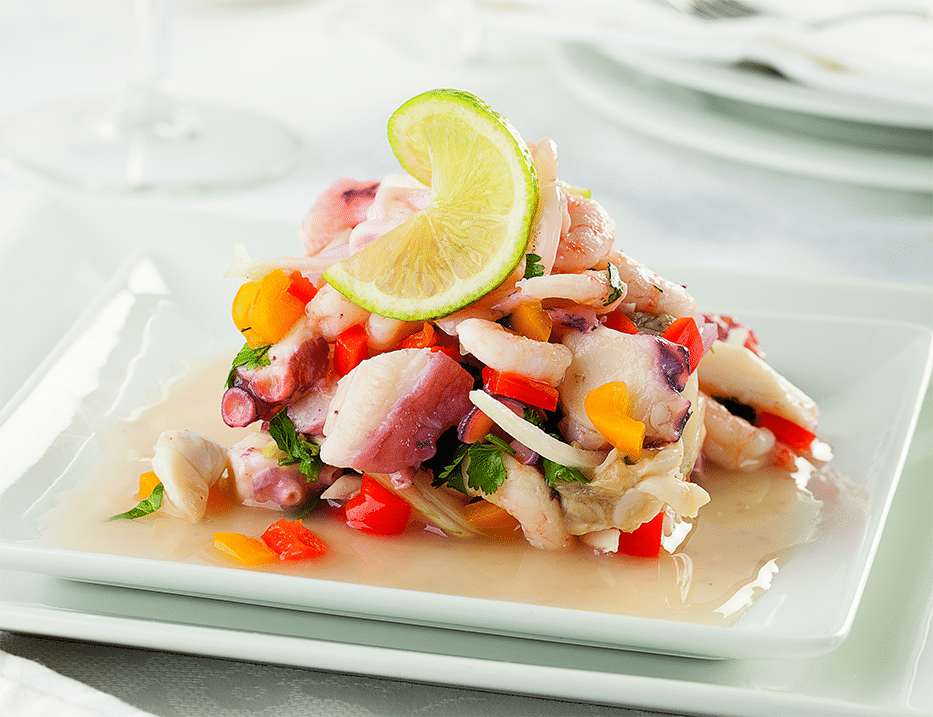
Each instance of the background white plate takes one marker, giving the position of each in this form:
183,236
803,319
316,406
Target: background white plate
869,155
882,58
754,84
50,433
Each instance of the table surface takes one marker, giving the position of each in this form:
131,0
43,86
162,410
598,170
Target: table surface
335,72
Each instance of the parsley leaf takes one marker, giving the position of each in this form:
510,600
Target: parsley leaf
533,266
251,357
297,449
616,283
447,474
146,507
532,416
485,470
555,473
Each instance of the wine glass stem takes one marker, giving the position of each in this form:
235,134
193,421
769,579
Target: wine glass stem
147,112
151,60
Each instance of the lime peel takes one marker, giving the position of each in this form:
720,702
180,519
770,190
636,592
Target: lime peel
475,231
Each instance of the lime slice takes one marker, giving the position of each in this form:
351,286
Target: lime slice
474,232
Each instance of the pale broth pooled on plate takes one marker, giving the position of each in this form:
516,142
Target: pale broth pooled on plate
464,387
742,536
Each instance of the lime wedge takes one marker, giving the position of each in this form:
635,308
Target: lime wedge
474,232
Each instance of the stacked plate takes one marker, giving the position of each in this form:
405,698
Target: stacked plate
848,98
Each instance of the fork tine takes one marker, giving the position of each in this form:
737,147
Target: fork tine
739,9
723,9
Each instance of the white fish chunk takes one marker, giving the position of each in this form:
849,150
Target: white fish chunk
503,350
735,372
188,465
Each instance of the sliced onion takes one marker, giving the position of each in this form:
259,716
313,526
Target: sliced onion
244,267
344,488
533,437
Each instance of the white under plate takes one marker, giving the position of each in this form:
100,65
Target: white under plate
868,375
749,132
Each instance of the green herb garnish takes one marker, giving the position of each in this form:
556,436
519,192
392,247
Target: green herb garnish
616,283
296,449
146,507
533,266
251,357
485,470
555,473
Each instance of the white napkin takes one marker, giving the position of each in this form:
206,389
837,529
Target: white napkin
28,689
885,57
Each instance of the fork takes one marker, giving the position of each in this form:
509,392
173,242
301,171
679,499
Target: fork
737,10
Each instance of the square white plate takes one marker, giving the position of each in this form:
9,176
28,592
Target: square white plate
868,375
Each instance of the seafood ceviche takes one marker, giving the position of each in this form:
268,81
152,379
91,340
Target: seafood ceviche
575,401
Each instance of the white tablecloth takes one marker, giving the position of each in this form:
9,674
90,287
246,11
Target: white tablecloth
335,72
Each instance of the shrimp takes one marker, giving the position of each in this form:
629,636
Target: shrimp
591,288
188,465
384,333
589,237
527,497
449,324
335,212
551,219
732,442
398,199
544,156
330,313
649,292
502,350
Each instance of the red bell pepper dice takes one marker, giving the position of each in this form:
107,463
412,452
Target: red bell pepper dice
377,510
787,432
620,322
423,339
301,287
684,331
428,338
350,349
293,541
645,540
521,388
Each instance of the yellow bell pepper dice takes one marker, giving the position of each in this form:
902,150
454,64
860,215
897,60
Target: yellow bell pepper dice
609,407
264,311
147,483
244,549
242,305
530,320
274,309
491,520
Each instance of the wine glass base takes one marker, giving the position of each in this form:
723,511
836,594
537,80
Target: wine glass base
96,144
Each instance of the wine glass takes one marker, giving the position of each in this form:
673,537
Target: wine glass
146,140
